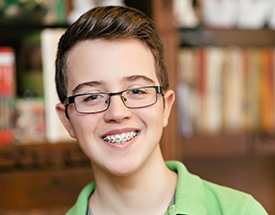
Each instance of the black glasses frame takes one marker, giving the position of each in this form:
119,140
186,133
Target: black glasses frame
71,99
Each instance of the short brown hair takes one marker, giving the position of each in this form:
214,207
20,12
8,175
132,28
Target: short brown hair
111,22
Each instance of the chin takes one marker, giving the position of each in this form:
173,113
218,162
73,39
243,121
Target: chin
121,168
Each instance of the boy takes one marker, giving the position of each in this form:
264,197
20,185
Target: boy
115,100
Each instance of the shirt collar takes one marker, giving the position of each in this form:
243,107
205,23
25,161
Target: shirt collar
190,197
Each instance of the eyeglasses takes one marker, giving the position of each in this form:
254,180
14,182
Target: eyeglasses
89,103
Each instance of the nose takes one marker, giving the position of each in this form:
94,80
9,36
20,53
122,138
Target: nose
117,111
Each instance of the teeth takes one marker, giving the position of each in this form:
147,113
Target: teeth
120,138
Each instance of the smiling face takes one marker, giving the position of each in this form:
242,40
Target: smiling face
112,66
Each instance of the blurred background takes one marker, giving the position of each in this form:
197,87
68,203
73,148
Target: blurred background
220,56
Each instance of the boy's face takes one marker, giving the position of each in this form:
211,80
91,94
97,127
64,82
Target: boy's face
112,66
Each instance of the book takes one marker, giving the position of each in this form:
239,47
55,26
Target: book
266,89
253,89
213,91
202,74
187,91
55,131
233,86
7,91
246,118
273,94
29,120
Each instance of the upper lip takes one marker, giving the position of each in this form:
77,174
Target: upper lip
119,131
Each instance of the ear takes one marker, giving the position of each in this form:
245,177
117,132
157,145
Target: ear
61,112
169,98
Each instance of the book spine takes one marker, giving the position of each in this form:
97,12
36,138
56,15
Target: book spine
55,131
266,90
202,53
235,89
253,89
273,83
7,88
213,98
245,100
187,91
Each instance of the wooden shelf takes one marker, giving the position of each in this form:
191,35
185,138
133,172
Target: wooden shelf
214,146
226,37
15,32
45,156
265,144
31,172
22,190
68,155
227,145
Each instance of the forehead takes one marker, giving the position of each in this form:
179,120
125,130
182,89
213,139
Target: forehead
109,62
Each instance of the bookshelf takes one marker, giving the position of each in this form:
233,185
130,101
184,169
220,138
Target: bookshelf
242,159
244,143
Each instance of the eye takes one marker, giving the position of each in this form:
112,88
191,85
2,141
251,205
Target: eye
91,98
137,91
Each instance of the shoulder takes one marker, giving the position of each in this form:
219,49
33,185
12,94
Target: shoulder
196,194
82,200
228,200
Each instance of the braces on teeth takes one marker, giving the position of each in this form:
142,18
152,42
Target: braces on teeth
121,138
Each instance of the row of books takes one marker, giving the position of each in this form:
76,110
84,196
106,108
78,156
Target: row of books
31,117
226,89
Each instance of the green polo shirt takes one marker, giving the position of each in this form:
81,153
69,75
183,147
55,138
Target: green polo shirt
193,196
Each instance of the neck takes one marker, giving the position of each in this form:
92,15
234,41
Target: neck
147,191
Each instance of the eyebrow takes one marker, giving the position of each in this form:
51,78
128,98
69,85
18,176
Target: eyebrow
131,78
84,84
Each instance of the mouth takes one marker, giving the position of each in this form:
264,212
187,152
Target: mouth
120,138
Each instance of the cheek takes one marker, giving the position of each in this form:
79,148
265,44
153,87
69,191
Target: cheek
83,125
85,130
153,117
155,125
